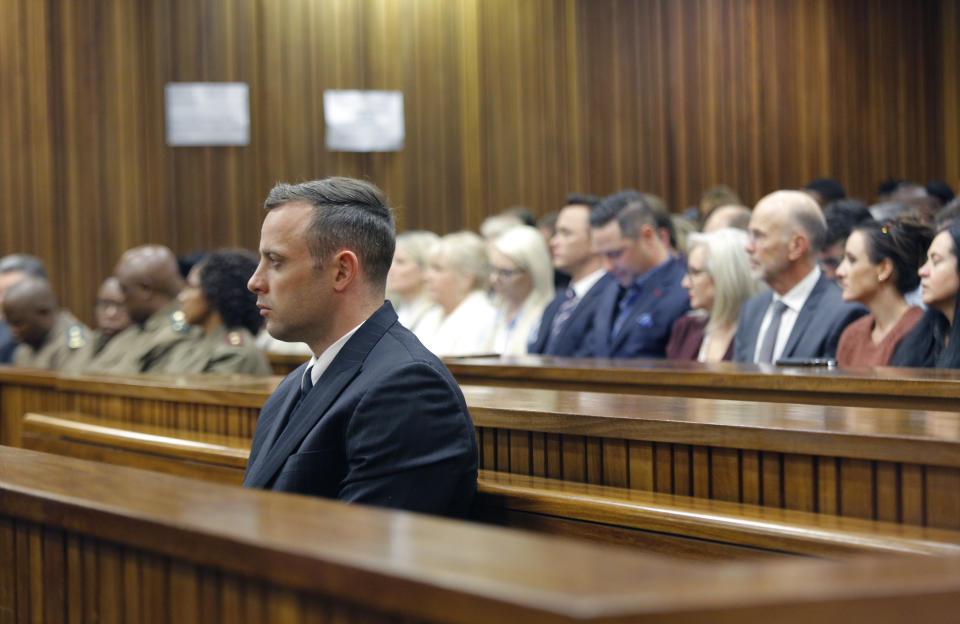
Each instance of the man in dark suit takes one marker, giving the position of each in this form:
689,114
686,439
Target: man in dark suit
567,319
803,313
374,417
635,312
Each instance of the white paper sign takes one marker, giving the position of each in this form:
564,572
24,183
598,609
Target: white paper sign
363,121
207,113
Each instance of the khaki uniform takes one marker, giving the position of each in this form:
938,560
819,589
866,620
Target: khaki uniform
80,360
221,352
67,336
137,349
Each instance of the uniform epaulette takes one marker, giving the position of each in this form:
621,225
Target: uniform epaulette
234,338
76,337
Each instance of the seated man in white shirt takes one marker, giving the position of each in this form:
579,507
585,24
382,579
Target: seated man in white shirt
567,319
803,313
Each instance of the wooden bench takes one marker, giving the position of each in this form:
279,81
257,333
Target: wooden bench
884,387
86,542
890,465
674,525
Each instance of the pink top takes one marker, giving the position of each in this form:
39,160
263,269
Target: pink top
856,348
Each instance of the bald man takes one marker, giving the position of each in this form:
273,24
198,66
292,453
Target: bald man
150,281
48,336
803,313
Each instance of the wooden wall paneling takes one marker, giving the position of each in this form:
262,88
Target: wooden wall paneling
574,458
520,456
856,488
943,497
750,487
949,17
538,454
771,479
642,471
503,450
799,484
54,576
725,474
594,461
914,498
615,463
888,491
554,456
663,467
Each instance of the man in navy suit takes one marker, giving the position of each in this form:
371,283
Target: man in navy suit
803,313
635,312
374,417
568,318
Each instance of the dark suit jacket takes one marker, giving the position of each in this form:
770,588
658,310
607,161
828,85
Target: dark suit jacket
7,344
575,330
815,334
386,424
687,336
661,301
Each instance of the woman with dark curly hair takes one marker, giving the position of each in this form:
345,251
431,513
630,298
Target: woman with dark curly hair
217,302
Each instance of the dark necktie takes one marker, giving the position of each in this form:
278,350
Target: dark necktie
563,314
770,338
623,308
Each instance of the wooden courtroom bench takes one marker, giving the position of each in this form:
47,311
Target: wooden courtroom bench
87,542
907,388
890,465
675,525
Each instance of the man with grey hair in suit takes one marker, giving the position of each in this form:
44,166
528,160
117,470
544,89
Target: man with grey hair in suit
803,313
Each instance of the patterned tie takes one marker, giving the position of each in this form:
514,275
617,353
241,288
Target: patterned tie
566,308
623,308
770,338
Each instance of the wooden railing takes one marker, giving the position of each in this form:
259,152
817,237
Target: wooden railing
907,388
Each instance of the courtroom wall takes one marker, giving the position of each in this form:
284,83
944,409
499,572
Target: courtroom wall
507,102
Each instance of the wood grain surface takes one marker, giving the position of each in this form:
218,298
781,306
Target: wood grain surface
76,536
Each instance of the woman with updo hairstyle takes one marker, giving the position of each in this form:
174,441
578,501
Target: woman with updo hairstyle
718,280
935,340
461,322
406,281
879,267
522,280
216,301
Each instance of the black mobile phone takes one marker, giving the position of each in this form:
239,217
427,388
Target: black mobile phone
801,361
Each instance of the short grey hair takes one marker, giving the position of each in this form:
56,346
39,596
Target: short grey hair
348,213
30,265
728,264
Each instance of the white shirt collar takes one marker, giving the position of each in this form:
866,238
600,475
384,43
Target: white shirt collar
320,364
583,285
797,296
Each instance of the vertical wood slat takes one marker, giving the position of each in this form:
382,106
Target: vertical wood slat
725,474
669,97
943,497
856,488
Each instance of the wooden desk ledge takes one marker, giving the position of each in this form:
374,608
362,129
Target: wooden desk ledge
716,521
719,521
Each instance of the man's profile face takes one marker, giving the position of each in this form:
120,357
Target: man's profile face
767,244
570,245
137,296
292,293
830,258
29,323
623,257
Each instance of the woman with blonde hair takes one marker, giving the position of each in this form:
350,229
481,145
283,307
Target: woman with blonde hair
719,281
461,322
522,280
406,281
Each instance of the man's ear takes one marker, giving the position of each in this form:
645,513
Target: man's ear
797,246
347,266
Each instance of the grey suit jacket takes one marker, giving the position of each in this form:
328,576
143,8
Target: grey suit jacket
817,331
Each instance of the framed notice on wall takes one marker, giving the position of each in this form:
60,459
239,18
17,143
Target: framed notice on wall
207,113
363,121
